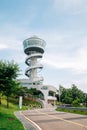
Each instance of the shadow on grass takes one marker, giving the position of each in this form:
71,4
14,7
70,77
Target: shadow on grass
3,129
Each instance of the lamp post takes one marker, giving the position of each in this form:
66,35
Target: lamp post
59,94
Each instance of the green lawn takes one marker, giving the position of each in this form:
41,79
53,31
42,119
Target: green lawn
72,111
8,121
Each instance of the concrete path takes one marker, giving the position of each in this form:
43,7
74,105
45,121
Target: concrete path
27,125
49,119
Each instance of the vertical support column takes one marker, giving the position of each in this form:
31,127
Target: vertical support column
34,48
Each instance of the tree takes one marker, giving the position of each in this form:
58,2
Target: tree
72,95
66,96
77,93
85,101
62,92
76,102
8,74
22,91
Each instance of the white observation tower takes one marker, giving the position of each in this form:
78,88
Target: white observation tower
34,49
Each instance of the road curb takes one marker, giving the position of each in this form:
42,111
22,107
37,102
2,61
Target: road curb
32,122
26,124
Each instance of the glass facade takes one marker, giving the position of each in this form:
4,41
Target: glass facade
34,43
44,88
25,84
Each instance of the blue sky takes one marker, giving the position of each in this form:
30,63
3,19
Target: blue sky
62,24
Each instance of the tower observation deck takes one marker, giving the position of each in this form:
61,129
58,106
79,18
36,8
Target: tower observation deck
34,49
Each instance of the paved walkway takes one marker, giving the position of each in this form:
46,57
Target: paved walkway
24,121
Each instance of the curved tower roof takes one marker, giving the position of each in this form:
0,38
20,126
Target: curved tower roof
34,44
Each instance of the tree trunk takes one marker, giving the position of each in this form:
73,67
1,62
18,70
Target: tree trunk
0,101
7,102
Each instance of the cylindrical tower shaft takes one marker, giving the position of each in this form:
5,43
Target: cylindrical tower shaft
34,49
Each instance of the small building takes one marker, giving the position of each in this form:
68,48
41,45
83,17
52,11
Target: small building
47,92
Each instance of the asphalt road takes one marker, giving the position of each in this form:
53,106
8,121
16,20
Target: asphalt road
49,119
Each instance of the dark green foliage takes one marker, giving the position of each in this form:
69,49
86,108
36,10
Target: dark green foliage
24,91
8,74
72,95
85,100
77,93
76,102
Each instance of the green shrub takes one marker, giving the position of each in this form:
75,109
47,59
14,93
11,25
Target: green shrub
76,103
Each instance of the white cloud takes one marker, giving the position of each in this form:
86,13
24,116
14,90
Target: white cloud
11,37
67,54
10,43
77,63
72,6
2,46
19,58
82,84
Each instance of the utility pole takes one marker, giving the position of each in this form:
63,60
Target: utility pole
59,94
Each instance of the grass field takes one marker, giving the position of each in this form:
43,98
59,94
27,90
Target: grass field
72,111
8,121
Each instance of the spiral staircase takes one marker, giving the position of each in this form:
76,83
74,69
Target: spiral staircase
34,49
